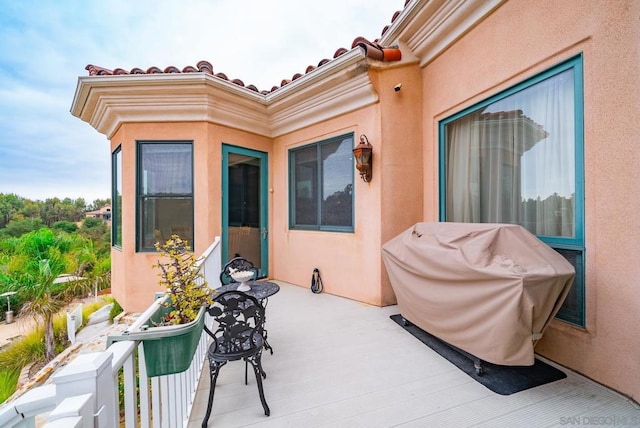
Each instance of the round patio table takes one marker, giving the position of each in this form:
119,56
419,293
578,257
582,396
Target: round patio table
259,289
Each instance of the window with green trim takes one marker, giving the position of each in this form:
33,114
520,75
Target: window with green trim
116,198
321,185
164,192
517,158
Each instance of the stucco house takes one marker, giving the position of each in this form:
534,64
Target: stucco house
506,111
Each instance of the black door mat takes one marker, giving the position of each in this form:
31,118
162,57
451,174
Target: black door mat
503,380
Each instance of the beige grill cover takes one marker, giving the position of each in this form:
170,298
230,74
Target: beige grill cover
488,289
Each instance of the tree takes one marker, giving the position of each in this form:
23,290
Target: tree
9,206
55,210
67,226
19,227
40,258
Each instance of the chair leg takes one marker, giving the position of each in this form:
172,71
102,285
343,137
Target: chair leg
257,369
213,376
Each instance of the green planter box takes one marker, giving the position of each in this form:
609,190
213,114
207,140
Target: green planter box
167,349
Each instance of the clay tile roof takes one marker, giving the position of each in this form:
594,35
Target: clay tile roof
205,67
94,70
371,50
339,52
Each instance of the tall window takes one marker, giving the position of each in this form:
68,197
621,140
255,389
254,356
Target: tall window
116,198
517,158
165,192
321,185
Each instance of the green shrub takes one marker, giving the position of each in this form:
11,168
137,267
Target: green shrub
67,226
116,309
8,383
23,351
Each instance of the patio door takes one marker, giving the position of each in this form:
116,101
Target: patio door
244,206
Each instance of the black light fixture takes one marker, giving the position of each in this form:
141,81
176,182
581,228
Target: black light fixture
363,156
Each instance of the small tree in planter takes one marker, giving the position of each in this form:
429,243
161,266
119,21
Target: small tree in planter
172,332
183,282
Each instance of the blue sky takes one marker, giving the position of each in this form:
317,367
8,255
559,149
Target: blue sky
45,46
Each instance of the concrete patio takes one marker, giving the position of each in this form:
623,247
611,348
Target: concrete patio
340,363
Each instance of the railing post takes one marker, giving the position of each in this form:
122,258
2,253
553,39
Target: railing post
90,374
73,412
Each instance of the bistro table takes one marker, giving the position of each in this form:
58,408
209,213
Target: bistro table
261,290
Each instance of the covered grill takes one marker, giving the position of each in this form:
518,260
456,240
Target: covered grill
487,289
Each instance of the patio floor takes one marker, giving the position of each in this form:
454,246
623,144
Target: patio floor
341,363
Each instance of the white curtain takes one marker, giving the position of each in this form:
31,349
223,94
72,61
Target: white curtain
513,161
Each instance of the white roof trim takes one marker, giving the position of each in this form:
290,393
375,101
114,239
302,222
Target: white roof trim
429,27
339,86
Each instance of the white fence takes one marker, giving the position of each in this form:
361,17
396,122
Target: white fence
74,322
110,389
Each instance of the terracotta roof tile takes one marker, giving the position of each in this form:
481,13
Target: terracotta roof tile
372,50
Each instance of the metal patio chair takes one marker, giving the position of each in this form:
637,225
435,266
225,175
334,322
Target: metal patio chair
239,319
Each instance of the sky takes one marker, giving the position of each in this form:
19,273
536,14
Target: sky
45,46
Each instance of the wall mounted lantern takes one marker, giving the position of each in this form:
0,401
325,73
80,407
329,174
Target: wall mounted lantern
363,156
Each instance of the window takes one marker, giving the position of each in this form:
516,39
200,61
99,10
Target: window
321,185
116,198
517,158
164,192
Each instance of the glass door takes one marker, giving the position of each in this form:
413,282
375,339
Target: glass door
244,206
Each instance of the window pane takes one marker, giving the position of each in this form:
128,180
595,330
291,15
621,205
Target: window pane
163,217
305,186
321,193
116,196
337,183
573,308
513,161
244,191
165,192
166,169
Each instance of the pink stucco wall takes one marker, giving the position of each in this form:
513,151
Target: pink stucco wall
135,281
519,40
350,263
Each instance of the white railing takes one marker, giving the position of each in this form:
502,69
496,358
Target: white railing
74,322
87,391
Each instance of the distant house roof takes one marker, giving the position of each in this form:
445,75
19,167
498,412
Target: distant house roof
372,50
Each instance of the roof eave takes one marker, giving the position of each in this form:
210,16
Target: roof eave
340,86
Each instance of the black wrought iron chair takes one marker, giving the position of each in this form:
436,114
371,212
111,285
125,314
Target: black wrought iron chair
238,263
239,319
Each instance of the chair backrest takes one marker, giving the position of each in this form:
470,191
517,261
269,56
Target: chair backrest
238,263
239,320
